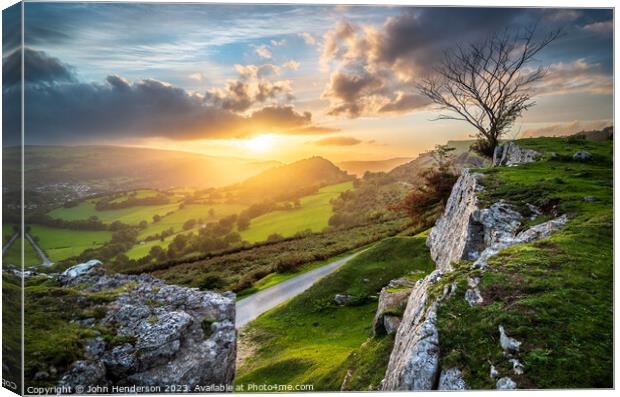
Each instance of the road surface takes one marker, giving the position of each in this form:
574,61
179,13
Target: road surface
254,305
45,261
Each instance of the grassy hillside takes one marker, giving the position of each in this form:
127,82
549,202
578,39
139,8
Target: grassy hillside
313,215
61,244
555,295
289,180
358,168
310,340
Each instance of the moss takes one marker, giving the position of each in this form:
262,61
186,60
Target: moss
367,364
556,294
118,340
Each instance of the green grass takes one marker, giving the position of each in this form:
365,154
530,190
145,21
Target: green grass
8,231
132,215
61,244
191,211
13,254
309,339
139,194
276,278
313,215
555,295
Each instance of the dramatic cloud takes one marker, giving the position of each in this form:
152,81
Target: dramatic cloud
252,88
38,67
338,141
60,108
565,128
374,69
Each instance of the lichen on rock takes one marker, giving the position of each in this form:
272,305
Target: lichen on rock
160,329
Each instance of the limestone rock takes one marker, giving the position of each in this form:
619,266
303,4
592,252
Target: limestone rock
506,383
414,361
582,156
81,269
161,328
510,154
508,344
473,297
344,300
392,300
448,239
451,379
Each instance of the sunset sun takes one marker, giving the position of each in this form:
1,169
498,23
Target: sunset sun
260,143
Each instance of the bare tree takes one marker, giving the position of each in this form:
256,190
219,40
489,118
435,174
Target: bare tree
488,84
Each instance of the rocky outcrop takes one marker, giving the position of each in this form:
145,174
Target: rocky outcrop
510,154
165,335
392,303
414,361
463,232
449,239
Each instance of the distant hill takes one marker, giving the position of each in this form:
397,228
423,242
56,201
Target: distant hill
409,172
360,167
605,134
116,167
287,180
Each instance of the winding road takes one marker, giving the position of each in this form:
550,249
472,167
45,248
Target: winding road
45,261
254,305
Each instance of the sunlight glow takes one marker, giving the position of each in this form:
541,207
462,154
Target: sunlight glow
260,144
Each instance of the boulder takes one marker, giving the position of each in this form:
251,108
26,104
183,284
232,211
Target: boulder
506,342
392,303
167,335
81,269
511,154
505,383
582,156
451,379
344,300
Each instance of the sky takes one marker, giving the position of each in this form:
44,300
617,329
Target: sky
283,82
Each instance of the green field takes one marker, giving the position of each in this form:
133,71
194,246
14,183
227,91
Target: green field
314,213
13,254
191,211
7,232
61,244
310,340
132,215
139,194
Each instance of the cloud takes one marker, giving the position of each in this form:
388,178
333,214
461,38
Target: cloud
263,51
374,69
252,88
577,76
338,141
278,43
197,76
604,27
308,38
564,129
62,109
38,67
292,64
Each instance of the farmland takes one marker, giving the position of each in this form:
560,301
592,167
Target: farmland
313,215
60,244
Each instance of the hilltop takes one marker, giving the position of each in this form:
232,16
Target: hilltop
292,180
